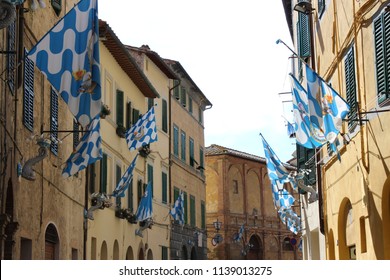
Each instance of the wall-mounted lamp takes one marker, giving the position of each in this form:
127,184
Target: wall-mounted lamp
304,7
217,225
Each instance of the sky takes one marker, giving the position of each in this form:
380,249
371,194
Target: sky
229,49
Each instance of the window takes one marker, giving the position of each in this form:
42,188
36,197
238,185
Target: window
164,253
129,115
103,174
51,243
150,103
176,92
140,190
11,68
176,141
190,106
382,57
200,113
119,108
118,176
54,121
183,96
183,145
201,160
192,211
57,6
164,116
303,39
130,194
28,96
185,208
164,179
306,160
75,254
150,176
25,249
350,84
235,186
192,157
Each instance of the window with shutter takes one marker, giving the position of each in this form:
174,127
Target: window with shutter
135,115
382,57
185,203
150,177
192,156
118,176
200,113
140,190
54,121
176,91
201,160
183,96
28,96
129,115
175,193
321,7
150,103
303,157
192,211
203,214
164,116
103,174
130,194
164,253
76,134
350,85
176,141
190,106
11,57
164,179
119,107
183,145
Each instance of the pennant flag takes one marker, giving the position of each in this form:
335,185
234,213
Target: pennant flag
177,211
68,55
124,183
282,198
307,133
143,132
290,130
145,210
87,151
290,219
276,170
327,108
240,234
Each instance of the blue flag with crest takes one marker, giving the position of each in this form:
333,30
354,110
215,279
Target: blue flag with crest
68,55
177,211
143,132
124,182
88,151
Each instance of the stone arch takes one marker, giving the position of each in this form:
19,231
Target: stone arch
345,222
104,251
129,253
256,251
386,219
331,246
235,189
52,243
115,253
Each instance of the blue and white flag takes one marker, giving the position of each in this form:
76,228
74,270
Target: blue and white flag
177,211
282,198
327,108
87,151
308,134
68,55
290,130
290,219
240,234
145,210
124,183
276,170
143,132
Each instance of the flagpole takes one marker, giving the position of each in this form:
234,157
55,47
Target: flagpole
299,57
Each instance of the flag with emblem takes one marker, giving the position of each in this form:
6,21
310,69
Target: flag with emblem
282,198
307,134
145,210
68,55
177,211
240,234
124,182
87,151
143,132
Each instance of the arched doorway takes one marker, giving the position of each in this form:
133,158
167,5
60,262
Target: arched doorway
150,255
194,255
256,248
51,243
104,251
129,253
347,245
184,253
141,255
331,244
116,250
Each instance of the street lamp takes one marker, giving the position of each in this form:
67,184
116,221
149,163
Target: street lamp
304,7
217,225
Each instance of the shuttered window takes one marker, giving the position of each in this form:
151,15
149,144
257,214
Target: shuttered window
130,194
150,177
176,141
119,107
192,157
382,57
303,39
321,7
28,96
185,203
54,121
11,57
350,85
192,211
164,116
183,96
103,174
164,183
76,134
203,214
129,115
118,176
201,160
164,253
183,145
176,91
190,105
150,103
306,160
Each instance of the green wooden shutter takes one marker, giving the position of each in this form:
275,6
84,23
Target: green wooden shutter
192,211
201,160
321,7
176,92
150,103
175,194
183,96
140,190
200,113
350,83
164,182
190,105
150,176
135,115
92,177
183,146
192,156
11,47
185,208
54,121
103,174
304,35
176,141
119,107
129,115
130,194
118,176
164,116
164,253
28,94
